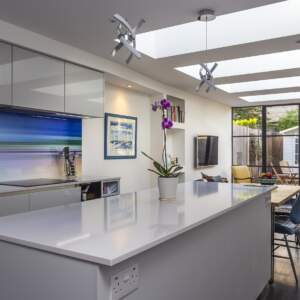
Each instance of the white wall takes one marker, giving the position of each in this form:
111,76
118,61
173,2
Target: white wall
202,116
133,172
206,117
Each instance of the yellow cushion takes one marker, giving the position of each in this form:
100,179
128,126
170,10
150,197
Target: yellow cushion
241,174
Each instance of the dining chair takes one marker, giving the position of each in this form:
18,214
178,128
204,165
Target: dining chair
286,169
289,226
241,174
281,178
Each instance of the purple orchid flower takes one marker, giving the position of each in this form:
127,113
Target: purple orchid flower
165,103
155,105
166,123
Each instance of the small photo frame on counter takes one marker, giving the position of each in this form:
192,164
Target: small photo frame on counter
120,137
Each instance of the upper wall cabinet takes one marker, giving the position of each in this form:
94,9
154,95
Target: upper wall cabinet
5,74
84,91
38,81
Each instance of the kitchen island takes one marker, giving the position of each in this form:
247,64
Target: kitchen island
212,242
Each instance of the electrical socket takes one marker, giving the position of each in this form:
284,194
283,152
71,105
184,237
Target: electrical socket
124,282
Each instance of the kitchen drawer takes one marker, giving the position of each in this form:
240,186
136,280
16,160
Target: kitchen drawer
52,198
10,205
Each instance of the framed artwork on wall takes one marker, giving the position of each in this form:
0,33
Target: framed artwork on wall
120,137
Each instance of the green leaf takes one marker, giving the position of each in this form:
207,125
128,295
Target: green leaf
157,173
160,168
147,156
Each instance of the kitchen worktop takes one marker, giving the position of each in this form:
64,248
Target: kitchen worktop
6,190
108,231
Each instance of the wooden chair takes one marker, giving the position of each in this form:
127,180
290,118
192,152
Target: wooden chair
241,174
281,177
286,169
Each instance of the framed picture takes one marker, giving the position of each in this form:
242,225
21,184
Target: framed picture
120,137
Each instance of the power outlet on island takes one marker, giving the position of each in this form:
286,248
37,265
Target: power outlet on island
124,283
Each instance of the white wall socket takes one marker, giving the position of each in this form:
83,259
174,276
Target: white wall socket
124,282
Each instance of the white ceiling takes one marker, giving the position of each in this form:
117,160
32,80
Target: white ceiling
85,24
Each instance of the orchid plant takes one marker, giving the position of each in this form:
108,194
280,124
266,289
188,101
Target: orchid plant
164,169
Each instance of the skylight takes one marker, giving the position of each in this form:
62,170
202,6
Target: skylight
272,97
250,65
260,85
256,24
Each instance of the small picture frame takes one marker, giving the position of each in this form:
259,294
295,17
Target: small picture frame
120,137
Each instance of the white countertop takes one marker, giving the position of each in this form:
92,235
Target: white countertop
6,190
108,231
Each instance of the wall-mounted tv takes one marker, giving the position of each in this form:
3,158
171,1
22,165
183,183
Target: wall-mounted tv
206,150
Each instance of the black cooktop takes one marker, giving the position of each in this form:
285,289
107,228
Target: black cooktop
36,182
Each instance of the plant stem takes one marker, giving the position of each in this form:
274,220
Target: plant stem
165,143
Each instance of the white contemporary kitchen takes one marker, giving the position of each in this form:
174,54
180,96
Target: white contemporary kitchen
149,150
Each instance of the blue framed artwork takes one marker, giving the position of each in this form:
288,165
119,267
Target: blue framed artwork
120,137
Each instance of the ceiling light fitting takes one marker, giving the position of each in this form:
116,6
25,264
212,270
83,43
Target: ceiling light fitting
206,15
205,73
126,36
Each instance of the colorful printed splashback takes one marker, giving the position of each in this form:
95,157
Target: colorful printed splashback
28,133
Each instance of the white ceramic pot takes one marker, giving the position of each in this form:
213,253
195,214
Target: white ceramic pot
167,187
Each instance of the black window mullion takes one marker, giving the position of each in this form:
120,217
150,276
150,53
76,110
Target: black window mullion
264,139
298,144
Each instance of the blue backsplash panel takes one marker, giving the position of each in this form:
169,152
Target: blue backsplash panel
31,144
21,132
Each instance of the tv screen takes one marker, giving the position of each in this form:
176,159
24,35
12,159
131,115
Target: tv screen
206,151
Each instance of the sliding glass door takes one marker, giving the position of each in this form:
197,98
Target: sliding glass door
266,138
247,138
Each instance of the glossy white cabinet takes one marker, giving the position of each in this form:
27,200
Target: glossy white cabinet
27,201
84,91
38,81
52,198
10,205
5,74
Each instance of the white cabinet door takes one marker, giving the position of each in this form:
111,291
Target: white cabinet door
5,74
38,81
10,205
84,91
52,198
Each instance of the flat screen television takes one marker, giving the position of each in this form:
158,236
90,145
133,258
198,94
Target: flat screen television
206,150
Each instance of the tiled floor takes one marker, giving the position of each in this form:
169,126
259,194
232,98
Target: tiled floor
284,287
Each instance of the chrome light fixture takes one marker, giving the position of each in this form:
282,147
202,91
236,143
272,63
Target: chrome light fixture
126,36
206,73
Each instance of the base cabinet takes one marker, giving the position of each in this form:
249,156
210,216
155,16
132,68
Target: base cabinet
15,204
52,198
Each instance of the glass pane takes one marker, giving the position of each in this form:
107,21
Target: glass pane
255,171
247,151
283,120
283,150
246,121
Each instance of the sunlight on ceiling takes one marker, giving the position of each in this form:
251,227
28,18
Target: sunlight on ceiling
250,65
260,85
272,97
227,30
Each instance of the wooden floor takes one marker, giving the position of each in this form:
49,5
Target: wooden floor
284,287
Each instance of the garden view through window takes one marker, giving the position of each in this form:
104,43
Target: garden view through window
266,139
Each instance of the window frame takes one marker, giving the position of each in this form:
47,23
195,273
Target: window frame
264,136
